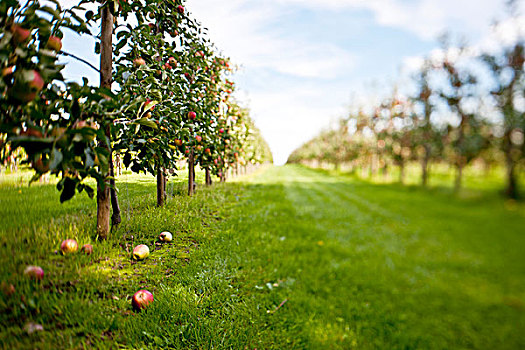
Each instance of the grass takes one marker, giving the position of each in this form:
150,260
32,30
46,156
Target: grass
288,258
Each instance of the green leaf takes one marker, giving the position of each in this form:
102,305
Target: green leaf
69,189
56,159
148,123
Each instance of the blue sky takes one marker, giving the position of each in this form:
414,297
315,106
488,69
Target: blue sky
304,63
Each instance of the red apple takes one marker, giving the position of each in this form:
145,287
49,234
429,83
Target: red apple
137,62
173,62
148,101
34,272
87,249
166,236
198,138
199,148
141,299
69,246
221,130
32,133
54,43
192,115
140,252
180,9
26,86
178,142
7,288
20,34
40,165
7,71
207,150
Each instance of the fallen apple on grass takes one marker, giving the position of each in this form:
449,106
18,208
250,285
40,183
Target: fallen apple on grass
166,236
34,272
87,249
69,246
141,299
140,252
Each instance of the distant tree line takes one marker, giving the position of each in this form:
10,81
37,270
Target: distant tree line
465,106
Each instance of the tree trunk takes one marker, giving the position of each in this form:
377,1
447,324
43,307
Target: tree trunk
191,173
115,217
459,175
512,183
402,172
424,167
103,194
208,177
161,187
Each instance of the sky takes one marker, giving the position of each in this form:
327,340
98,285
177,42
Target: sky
305,63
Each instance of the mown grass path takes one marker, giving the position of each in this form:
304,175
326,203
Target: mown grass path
383,266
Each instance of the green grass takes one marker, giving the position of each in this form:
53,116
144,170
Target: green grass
288,258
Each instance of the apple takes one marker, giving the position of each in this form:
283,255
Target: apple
140,252
166,236
26,86
34,272
40,165
148,101
54,43
215,161
221,130
7,288
137,62
178,142
180,9
141,299
192,115
32,133
199,148
173,62
207,150
7,71
198,138
68,246
20,34
87,249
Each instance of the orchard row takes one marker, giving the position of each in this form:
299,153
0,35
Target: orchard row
164,95
453,116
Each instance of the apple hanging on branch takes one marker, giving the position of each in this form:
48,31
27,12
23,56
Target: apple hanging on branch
27,84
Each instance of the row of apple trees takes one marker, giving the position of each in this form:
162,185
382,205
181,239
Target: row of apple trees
453,116
164,95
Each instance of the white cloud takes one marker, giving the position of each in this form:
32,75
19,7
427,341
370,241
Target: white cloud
425,18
